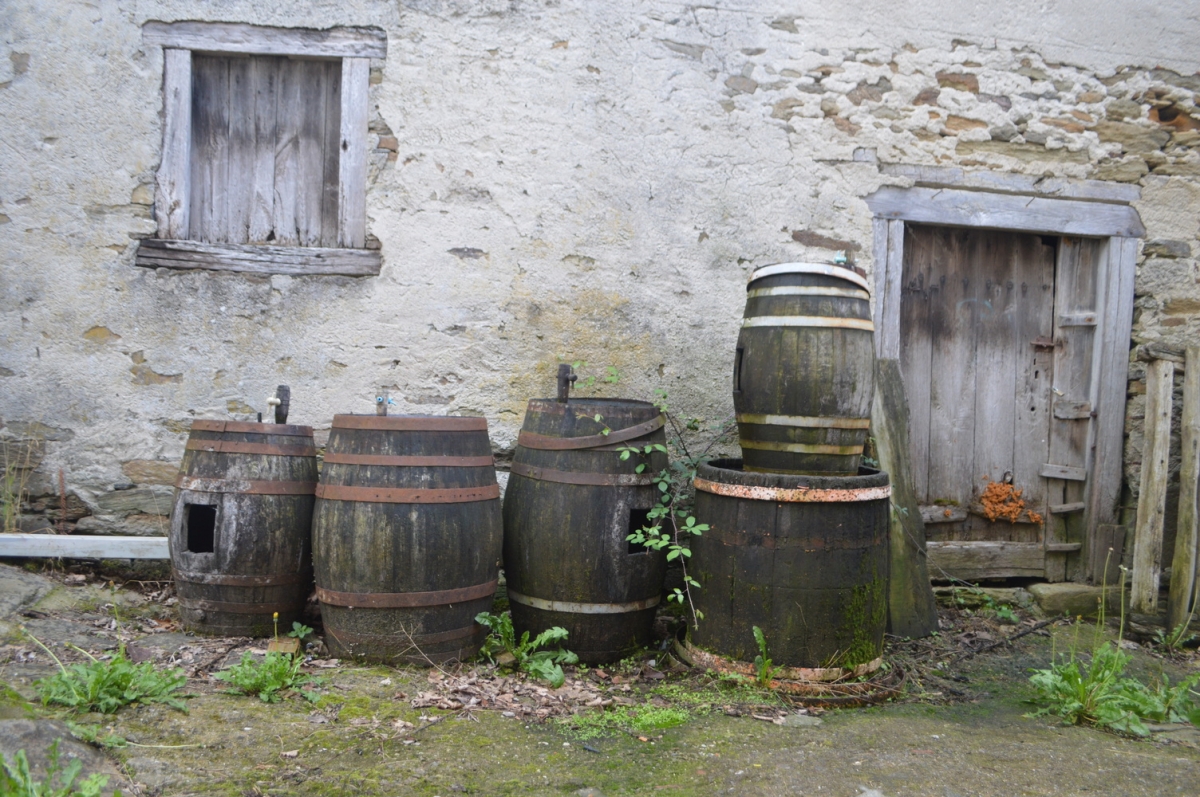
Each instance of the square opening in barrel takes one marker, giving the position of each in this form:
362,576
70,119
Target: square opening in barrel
638,520
200,525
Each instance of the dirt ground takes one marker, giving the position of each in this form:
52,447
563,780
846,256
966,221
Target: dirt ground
957,728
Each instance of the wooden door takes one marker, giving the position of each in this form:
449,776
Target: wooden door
996,348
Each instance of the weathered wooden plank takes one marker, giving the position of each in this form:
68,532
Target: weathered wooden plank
1148,352
241,147
264,79
916,353
933,513
310,161
1063,509
230,37
172,184
895,277
1087,319
1183,562
879,229
1063,547
1063,472
1152,497
352,168
912,609
289,120
1015,183
1065,410
1104,488
975,560
210,148
78,546
1005,212
331,86
296,261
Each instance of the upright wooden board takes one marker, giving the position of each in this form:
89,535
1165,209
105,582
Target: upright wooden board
1152,497
172,186
1183,562
264,79
210,148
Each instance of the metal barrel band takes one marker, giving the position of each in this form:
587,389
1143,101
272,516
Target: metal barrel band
238,447
244,486
348,638
543,442
225,580
808,321
801,448
406,600
585,479
408,462
571,607
804,421
798,495
820,269
401,495
401,423
234,607
287,430
808,290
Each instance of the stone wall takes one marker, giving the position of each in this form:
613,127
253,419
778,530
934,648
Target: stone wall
558,180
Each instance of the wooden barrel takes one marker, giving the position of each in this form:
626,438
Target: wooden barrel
406,537
570,503
803,373
804,558
240,526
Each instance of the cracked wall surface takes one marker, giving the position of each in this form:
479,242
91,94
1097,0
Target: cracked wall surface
547,181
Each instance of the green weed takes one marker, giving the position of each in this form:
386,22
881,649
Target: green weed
268,678
544,664
627,719
16,779
762,663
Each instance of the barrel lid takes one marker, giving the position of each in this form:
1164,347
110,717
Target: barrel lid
411,423
825,269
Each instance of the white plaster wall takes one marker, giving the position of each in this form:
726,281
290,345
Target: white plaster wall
620,168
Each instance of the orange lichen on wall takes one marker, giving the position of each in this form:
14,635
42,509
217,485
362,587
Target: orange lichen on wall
1002,500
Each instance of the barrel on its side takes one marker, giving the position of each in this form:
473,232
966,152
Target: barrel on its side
240,526
804,558
406,537
571,502
804,370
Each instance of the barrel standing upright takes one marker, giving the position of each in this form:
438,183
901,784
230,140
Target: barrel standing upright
804,370
570,504
240,526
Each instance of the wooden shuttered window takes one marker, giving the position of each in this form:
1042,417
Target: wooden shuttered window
264,149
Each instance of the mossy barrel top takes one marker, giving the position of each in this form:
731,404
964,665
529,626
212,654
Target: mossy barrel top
805,558
803,370
239,537
570,504
406,536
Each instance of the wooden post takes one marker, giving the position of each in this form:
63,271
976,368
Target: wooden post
1152,498
1183,564
912,609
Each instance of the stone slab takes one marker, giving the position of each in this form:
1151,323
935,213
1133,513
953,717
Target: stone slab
36,737
20,589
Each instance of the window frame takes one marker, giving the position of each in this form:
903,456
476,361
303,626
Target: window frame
355,47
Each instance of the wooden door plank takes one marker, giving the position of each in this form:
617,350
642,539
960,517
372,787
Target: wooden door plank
242,147
289,115
1104,487
331,85
1152,497
1183,562
879,234
895,277
352,166
172,184
264,79
210,148
916,351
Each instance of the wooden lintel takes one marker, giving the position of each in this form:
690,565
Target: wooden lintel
961,208
235,37
296,261
1149,352
79,546
1062,187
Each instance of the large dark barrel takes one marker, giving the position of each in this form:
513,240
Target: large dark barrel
240,544
804,370
805,558
571,502
406,537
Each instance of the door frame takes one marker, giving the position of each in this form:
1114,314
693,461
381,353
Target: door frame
952,197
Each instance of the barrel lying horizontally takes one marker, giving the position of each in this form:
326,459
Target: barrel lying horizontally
239,539
804,558
804,370
571,502
406,537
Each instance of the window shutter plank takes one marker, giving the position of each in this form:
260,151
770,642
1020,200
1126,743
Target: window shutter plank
264,79
310,163
172,190
239,190
210,151
331,86
289,116
352,164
